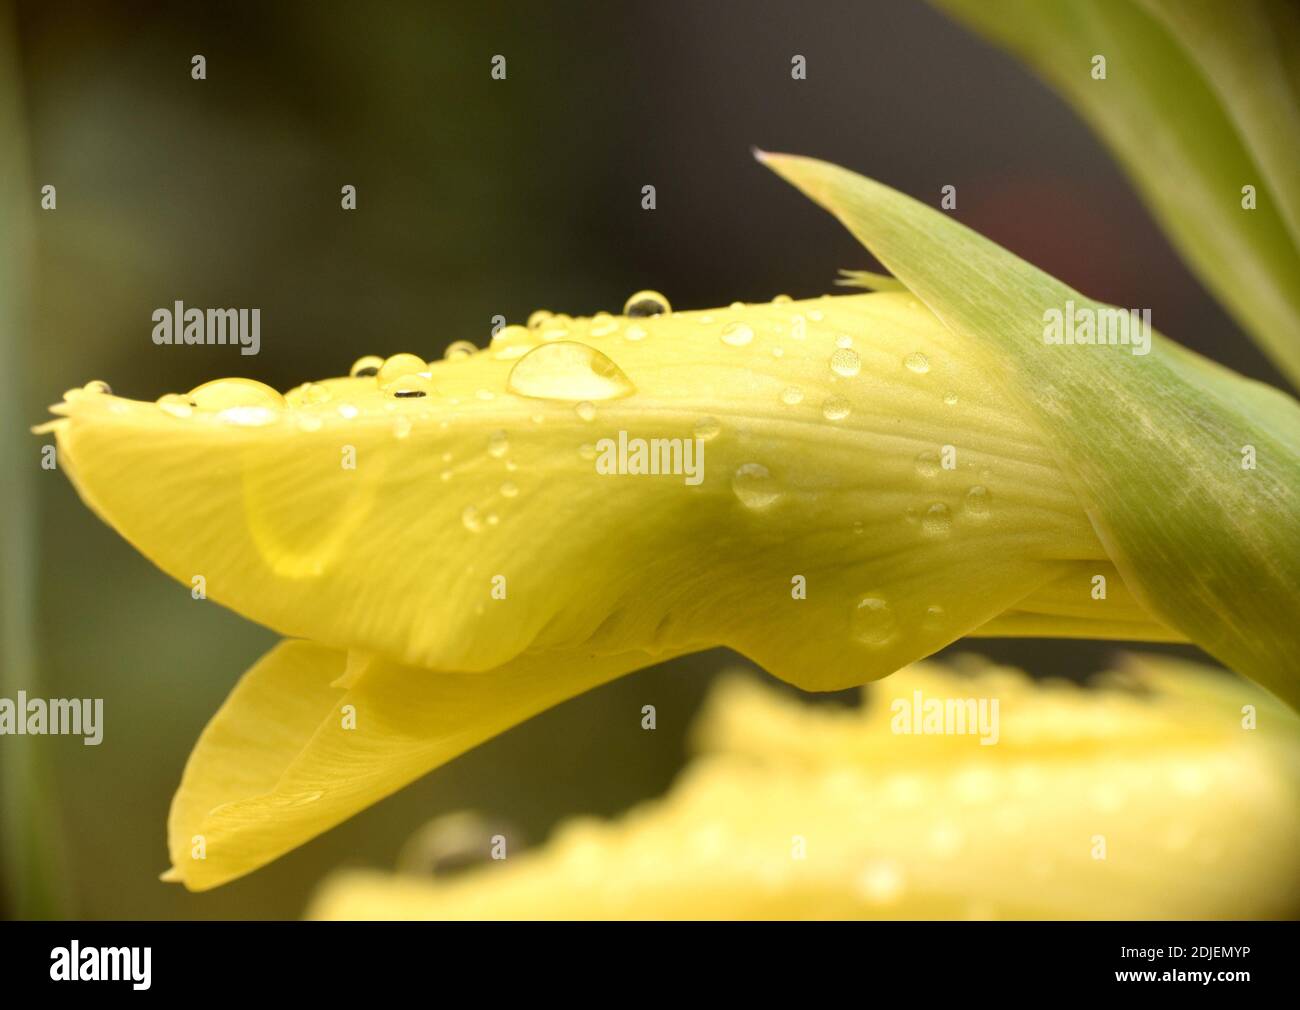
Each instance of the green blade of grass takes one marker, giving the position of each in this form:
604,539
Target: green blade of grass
33,876
1199,100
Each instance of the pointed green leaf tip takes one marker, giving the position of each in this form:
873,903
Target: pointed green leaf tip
1188,472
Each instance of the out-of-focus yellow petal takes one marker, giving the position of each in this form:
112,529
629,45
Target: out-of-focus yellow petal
310,736
848,442
1151,800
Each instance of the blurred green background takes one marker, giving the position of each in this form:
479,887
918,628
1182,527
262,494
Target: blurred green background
475,197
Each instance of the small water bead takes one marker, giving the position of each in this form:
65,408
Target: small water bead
646,303
555,329
792,396
846,362
348,411
509,489
498,444
537,318
176,405
950,399
603,324
367,366
917,362
308,394
755,486
736,305
587,451
568,371
486,394
586,411
408,387
635,332
935,616
937,520
737,334
459,350
777,351
843,340
400,365
873,621
782,300
471,519
977,501
707,428
836,408
927,464
401,427
99,387
816,315
309,422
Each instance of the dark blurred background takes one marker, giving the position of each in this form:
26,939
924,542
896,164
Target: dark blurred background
475,197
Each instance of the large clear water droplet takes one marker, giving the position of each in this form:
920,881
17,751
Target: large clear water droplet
917,362
239,401
400,365
755,486
845,362
568,371
646,303
874,622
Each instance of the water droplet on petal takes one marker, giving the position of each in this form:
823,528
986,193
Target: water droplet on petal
509,489
836,408
459,350
603,324
176,405
498,444
408,387
707,428
586,411
98,386
537,318
791,396
782,300
846,362
950,399
400,365
874,622
927,464
239,401
737,334
348,411
471,519
755,486
634,332
401,427
843,340
367,366
568,371
937,519
977,501
646,303
917,362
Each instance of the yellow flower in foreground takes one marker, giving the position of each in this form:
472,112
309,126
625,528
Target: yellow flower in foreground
1150,800
471,530
834,488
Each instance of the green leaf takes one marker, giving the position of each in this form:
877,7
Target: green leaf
1200,99
1154,444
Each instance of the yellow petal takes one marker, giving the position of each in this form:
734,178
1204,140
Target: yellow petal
848,443
290,754
1094,803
